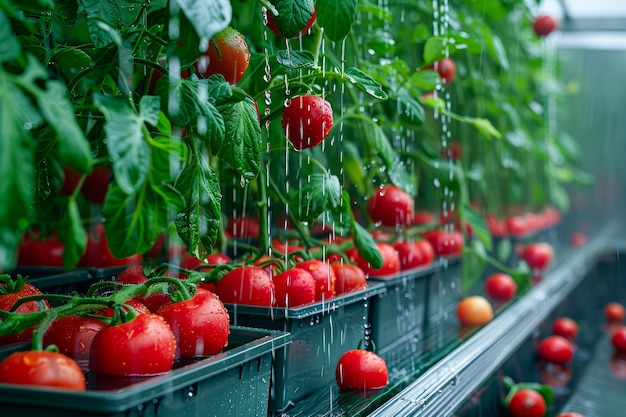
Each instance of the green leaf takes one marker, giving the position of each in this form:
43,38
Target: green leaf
134,222
319,193
295,59
35,6
66,11
17,168
411,109
293,15
149,108
198,222
73,235
496,49
366,245
70,59
207,16
472,269
505,248
241,146
336,17
439,47
477,223
365,83
74,149
352,165
9,46
125,142
426,80
98,11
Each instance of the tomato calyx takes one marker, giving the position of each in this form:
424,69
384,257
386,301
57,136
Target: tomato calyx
10,285
546,391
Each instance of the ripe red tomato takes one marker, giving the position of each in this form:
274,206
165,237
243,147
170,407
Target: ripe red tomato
231,60
391,260
410,254
324,276
537,255
70,181
273,25
422,217
527,403
349,278
454,151
500,286
247,285
73,335
618,339
474,311
427,251
200,324
134,275
243,227
142,346
41,368
497,227
445,243
614,312
446,69
41,252
9,296
544,25
566,327
307,120
516,226
570,414
556,349
361,369
98,253
390,206
96,184
294,287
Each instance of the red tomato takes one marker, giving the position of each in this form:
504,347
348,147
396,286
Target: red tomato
8,297
390,206
134,275
614,312
41,252
544,25
98,253
556,349
294,287
70,181
247,285
200,324
446,69
73,335
474,311
537,255
566,327
618,339
273,25
141,347
454,151
570,414
516,226
361,369
445,243
427,251
391,260
307,120
410,254
497,227
578,239
422,217
231,60
41,368
500,287
243,227
324,276
96,184
349,278
527,403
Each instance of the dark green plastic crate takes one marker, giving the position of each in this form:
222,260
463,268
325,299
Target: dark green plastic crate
235,382
320,334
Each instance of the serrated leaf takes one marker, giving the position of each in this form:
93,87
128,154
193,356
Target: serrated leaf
207,16
295,59
198,222
477,223
134,222
366,245
293,15
73,235
336,17
98,12
9,46
125,142
241,145
319,193
365,83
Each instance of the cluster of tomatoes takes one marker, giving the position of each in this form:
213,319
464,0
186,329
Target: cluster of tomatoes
522,223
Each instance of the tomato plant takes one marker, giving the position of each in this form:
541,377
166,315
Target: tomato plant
247,285
227,55
474,311
361,369
566,327
43,369
618,339
307,120
349,278
324,276
527,403
614,312
142,346
390,206
199,324
556,349
294,287
500,286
